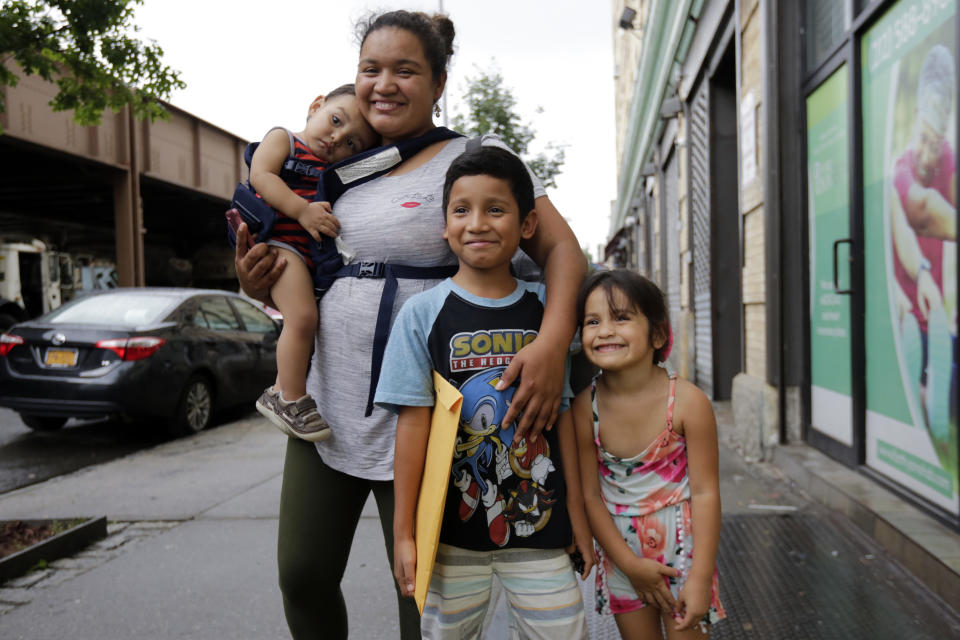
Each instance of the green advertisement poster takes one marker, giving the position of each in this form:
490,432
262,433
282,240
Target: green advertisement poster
909,102
828,186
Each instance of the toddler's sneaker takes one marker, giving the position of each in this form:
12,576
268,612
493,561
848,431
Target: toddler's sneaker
297,418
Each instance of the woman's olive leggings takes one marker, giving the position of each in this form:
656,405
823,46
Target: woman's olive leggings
319,512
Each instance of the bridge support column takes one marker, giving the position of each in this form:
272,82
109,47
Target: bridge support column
128,208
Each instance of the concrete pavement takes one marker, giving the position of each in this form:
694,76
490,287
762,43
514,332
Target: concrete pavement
191,551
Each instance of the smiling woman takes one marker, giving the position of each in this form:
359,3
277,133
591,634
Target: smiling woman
391,89
394,223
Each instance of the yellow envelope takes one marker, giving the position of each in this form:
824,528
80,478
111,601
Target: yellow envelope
436,478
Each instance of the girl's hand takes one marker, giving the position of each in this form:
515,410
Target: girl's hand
694,602
317,219
649,580
539,365
405,564
258,267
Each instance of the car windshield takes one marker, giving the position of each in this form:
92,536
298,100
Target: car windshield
129,309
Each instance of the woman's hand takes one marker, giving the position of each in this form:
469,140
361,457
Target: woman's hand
539,365
648,578
258,267
405,564
694,602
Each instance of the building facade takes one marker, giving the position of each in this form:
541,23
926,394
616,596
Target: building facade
787,176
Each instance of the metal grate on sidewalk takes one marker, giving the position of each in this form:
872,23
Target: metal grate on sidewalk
800,576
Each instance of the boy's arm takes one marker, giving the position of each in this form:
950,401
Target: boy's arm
406,387
582,536
265,168
700,433
645,575
413,429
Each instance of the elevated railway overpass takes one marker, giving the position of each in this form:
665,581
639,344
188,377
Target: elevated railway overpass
148,196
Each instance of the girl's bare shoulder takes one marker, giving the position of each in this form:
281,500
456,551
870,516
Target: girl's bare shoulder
692,406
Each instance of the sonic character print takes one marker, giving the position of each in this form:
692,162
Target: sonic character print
488,469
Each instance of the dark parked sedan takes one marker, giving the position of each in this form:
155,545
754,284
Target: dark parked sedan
174,355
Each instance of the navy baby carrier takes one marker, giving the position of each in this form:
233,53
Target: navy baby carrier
260,216
334,181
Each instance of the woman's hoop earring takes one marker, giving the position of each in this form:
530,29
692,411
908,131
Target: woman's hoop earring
436,109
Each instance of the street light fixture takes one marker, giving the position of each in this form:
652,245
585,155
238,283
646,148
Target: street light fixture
626,22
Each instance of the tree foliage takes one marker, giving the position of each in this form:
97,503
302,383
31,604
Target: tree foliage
490,109
90,50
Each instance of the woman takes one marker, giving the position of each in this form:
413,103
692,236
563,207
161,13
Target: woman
397,219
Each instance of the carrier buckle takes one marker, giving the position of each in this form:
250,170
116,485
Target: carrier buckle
370,270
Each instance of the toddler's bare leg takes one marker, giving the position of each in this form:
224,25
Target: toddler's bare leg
293,295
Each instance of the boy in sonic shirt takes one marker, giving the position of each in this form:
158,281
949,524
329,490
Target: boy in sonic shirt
513,508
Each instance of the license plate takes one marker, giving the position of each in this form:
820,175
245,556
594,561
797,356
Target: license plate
61,358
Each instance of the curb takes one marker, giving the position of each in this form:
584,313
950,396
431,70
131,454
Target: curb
53,548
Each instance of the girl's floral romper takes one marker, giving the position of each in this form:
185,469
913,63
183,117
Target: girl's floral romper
648,497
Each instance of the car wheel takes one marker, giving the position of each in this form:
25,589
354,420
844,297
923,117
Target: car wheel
42,423
195,408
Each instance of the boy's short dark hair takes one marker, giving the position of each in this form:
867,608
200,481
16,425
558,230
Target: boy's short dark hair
348,89
496,163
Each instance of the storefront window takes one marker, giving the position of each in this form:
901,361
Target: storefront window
828,180
909,115
826,23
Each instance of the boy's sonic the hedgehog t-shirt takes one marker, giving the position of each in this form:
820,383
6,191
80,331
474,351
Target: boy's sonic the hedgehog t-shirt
500,495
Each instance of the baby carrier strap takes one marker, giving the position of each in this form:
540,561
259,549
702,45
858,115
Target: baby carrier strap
260,216
390,272
358,169
373,163
292,165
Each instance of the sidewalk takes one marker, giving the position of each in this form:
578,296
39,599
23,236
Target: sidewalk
191,554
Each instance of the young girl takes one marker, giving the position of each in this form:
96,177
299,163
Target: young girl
638,431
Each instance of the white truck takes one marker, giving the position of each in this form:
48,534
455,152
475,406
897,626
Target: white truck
35,279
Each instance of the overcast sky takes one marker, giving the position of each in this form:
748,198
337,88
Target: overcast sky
250,65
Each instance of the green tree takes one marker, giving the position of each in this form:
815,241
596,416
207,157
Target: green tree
490,109
87,48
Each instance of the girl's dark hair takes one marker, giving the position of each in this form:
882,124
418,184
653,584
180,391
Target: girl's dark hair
496,163
642,295
435,34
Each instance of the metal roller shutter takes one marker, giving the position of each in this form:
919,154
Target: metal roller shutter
699,137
